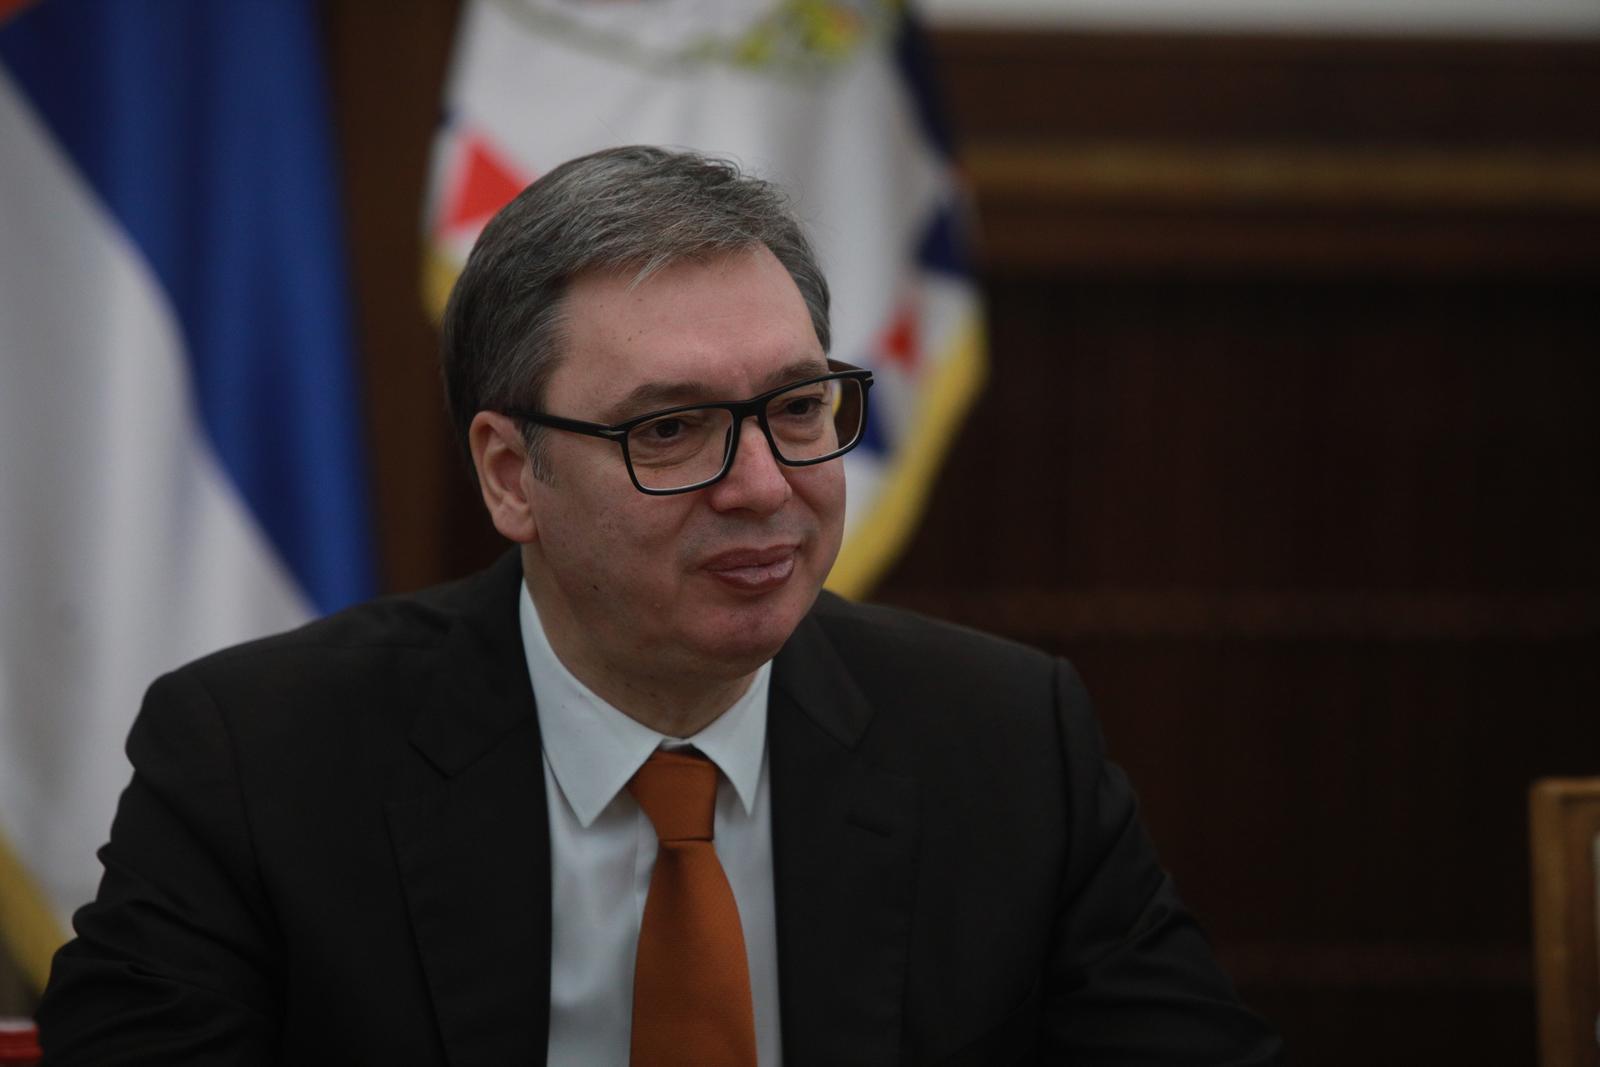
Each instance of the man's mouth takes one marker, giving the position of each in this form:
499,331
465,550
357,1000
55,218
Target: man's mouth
753,569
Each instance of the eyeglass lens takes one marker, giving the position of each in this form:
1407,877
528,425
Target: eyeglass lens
808,423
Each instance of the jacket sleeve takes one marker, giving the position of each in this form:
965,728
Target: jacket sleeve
1131,978
173,960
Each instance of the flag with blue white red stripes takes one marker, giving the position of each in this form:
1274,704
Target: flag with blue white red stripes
180,436
830,99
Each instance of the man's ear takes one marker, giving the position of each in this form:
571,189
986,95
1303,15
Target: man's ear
503,474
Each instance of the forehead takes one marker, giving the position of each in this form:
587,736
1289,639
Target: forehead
727,326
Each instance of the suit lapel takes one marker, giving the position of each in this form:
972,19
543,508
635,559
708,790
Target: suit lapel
844,837
474,852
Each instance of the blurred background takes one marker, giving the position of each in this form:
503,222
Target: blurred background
1288,441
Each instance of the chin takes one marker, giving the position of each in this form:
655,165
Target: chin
746,649
747,637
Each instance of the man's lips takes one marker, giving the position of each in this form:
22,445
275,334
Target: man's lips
753,569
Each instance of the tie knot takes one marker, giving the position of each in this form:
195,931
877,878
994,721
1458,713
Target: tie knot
678,792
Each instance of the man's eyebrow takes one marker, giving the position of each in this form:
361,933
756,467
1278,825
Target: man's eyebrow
796,371
653,396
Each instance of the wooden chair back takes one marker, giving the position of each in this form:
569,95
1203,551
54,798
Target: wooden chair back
1564,824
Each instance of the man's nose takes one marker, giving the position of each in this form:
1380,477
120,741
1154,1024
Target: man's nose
756,481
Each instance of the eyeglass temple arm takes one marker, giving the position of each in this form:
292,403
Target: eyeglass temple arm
539,418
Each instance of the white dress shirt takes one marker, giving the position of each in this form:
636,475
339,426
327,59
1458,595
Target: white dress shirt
603,848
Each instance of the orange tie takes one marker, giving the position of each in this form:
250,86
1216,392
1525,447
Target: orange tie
691,981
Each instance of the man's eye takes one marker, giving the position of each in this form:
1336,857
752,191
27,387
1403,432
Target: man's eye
687,429
664,429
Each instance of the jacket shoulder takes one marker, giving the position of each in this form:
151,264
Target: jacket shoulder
902,659
412,620
384,645
898,636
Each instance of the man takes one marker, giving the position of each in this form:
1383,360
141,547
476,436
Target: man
637,794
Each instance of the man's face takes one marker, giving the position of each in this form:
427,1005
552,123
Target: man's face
708,583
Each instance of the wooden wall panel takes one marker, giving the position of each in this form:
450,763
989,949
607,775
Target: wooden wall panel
388,64
1323,553
1299,337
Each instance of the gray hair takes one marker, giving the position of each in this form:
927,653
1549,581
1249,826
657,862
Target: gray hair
636,208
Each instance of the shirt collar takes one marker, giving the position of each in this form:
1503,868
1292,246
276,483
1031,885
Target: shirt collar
594,749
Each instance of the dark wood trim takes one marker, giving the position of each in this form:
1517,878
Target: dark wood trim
1257,176
1043,237
1277,88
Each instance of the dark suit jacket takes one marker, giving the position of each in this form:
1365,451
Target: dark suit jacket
335,850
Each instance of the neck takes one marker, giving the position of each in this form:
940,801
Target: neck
678,712
677,703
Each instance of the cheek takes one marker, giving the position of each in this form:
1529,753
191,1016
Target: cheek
823,491
576,536
631,548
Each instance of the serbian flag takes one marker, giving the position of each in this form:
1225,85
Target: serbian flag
830,100
180,441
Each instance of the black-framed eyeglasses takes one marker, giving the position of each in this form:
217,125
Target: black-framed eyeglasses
691,446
